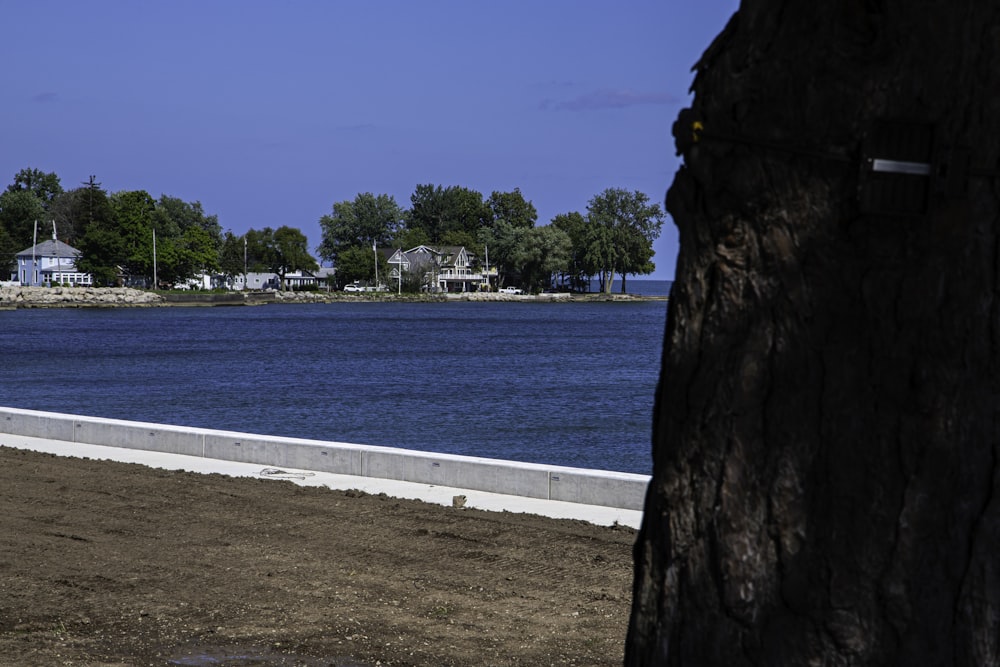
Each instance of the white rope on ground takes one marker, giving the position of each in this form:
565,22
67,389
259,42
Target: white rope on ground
277,473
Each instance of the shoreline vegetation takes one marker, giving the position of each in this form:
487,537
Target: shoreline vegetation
17,297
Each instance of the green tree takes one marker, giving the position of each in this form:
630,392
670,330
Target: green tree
44,186
196,254
231,259
623,226
437,211
100,241
103,250
133,218
281,251
188,241
505,244
410,238
260,249
189,214
511,207
292,251
71,212
542,252
358,264
366,220
575,226
25,202
8,252
19,211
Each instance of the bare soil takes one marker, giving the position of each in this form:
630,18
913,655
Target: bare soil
105,563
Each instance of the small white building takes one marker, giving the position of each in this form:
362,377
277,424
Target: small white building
254,281
50,262
294,280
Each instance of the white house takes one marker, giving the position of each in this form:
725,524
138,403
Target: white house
50,262
444,268
294,280
255,281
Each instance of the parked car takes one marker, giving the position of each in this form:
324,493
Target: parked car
354,288
511,290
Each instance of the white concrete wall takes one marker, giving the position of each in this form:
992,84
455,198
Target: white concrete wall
578,485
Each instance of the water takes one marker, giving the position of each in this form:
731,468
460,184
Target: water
559,383
636,287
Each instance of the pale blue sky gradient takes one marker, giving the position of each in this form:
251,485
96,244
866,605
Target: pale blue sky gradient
269,112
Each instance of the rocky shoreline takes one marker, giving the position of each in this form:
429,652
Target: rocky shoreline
15,297
76,297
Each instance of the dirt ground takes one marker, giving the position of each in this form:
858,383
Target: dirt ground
105,563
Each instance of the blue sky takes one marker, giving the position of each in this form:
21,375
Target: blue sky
269,112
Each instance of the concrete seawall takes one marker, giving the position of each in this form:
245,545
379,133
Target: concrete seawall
576,485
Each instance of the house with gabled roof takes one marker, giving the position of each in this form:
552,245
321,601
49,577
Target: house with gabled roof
444,268
50,262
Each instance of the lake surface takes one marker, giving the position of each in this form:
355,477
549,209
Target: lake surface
559,383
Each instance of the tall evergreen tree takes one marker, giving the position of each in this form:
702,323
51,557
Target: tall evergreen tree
104,250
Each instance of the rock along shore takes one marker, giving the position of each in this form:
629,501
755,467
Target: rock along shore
14,297
75,297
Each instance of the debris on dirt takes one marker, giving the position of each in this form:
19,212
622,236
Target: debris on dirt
106,563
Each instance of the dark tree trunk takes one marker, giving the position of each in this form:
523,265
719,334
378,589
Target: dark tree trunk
826,431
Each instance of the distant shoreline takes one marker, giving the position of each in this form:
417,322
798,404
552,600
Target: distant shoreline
16,297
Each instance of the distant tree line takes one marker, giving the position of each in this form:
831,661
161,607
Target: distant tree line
614,236
116,233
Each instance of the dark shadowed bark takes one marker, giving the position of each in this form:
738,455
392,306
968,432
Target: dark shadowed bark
825,445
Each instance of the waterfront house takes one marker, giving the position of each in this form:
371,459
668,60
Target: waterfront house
50,262
325,276
254,280
443,268
302,279
294,280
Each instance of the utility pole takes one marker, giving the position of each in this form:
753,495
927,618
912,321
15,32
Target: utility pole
55,243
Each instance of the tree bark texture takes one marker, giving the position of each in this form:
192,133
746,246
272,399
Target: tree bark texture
826,432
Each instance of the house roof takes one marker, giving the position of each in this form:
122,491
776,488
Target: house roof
50,248
444,256
324,272
450,254
422,249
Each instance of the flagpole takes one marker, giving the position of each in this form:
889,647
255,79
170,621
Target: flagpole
375,253
34,265
154,259
55,238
